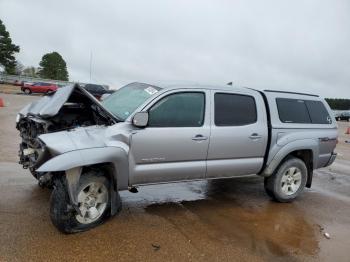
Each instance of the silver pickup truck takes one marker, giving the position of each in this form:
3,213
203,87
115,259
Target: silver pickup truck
88,151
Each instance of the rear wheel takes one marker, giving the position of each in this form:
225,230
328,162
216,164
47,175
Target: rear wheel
93,207
288,181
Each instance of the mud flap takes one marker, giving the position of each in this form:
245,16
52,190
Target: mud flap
72,178
309,178
115,199
115,202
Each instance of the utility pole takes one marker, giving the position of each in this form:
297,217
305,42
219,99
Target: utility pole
90,64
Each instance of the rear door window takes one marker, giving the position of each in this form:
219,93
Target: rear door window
234,109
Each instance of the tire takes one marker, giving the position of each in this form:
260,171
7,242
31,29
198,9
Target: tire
27,91
65,218
288,180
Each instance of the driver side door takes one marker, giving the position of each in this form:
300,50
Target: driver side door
174,145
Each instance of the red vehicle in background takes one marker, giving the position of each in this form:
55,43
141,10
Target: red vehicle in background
38,87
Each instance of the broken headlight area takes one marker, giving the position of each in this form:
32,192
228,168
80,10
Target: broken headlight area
32,155
18,117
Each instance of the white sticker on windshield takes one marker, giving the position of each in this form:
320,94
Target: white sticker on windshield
151,90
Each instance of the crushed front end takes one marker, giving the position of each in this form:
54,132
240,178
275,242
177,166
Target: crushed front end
70,107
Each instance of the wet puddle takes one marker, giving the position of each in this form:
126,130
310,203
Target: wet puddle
264,228
219,220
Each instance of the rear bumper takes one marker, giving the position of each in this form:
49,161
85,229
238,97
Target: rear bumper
331,159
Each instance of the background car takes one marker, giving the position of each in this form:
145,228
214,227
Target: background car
38,87
344,116
97,90
17,83
104,96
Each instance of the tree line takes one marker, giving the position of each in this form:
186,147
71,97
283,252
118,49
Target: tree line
52,65
339,103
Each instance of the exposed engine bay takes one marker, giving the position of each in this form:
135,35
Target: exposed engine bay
68,108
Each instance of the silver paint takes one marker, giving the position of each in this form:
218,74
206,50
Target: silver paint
156,155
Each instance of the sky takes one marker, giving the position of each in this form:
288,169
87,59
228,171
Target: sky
300,46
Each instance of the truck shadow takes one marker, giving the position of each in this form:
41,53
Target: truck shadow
236,212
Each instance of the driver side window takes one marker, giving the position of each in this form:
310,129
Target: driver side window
178,110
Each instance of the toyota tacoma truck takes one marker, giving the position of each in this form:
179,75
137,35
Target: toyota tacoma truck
88,151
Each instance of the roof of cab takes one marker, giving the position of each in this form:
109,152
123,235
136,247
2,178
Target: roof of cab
184,85
288,92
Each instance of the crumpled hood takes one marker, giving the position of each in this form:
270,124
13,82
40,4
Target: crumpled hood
51,104
87,137
79,138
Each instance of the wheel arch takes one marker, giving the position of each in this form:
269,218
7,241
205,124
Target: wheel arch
113,159
306,150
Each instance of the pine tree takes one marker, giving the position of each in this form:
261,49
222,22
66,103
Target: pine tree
7,50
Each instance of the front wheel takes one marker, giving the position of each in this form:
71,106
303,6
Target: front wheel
93,197
288,181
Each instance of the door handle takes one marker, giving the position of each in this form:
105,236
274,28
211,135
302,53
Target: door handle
199,137
255,136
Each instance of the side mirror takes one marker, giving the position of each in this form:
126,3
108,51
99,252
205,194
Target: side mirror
140,119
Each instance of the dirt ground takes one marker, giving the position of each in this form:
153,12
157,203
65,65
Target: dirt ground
221,220
9,89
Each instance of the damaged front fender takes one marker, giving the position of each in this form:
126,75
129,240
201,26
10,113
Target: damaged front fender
117,156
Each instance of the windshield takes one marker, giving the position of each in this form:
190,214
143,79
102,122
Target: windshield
127,99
